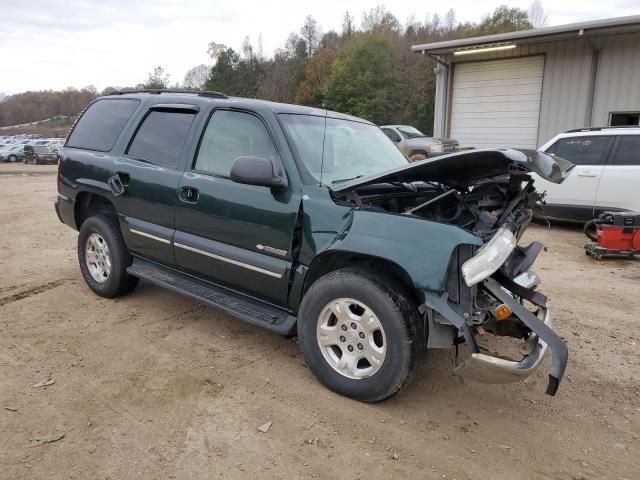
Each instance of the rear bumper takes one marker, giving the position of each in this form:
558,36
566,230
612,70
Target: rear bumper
64,207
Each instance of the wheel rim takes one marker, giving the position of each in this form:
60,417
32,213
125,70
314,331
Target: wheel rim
351,338
97,257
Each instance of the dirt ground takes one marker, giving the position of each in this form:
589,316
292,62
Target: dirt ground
155,385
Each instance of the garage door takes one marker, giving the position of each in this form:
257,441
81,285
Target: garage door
497,103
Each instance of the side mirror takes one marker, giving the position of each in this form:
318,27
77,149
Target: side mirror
257,171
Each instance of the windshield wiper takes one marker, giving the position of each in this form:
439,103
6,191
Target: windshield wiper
342,180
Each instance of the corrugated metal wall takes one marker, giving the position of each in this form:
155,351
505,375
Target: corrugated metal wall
618,84
566,83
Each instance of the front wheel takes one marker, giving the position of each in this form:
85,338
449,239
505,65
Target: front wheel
360,334
104,257
13,158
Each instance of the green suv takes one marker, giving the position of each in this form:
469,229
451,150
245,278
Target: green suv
307,221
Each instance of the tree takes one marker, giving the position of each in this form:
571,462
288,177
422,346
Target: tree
310,34
348,25
378,19
234,75
503,20
537,16
214,49
363,79
197,76
313,90
450,20
157,79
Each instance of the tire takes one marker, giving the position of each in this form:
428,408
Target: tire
401,334
110,280
36,160
13,158
589,230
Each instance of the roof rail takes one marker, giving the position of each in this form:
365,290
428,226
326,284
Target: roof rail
597,129
157,91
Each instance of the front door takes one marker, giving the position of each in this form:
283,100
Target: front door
236,235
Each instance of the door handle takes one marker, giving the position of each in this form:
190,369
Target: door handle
118,183
587,174
189,194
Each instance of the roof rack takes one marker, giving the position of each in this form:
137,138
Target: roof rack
597,129
157,91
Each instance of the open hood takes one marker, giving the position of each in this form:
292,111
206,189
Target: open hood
466,168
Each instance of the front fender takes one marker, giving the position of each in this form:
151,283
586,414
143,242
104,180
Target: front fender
420,247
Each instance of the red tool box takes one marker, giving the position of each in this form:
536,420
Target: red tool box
617,233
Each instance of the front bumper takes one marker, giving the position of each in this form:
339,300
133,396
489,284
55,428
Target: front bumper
486,368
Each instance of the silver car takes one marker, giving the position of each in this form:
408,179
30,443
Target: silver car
416,145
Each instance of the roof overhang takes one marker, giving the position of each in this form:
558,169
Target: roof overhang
504,41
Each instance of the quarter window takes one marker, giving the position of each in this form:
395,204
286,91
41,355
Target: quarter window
161,137
582,150
391,134
101,124
628,150
230,135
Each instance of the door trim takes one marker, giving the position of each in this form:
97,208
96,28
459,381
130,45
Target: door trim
148,235
228,260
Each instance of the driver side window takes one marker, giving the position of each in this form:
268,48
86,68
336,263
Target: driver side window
229,135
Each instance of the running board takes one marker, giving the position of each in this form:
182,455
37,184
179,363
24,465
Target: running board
237,305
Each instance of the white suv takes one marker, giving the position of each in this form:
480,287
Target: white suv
606,175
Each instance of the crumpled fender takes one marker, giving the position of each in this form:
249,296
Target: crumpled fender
420,247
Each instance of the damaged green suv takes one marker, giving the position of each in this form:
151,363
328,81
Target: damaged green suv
310,221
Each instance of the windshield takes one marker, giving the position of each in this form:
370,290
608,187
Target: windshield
351,149
411,132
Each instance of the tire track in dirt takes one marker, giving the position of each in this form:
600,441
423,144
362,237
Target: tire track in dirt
32,291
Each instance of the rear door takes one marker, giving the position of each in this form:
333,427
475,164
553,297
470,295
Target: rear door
233,234
575,198
150,171
620,182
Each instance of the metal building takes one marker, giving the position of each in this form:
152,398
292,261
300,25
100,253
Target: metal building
520,89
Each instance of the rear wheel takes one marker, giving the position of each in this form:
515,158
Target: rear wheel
360,334
104,257
13,158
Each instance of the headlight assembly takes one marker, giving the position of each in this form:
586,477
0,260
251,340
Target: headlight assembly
489,257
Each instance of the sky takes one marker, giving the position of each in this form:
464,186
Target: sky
47,44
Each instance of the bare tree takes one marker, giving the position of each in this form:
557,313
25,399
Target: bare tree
214,49
537,16
247,48
311,34
348,27
450,20
197,76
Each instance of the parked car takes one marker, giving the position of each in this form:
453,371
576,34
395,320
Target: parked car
606,174
40,154
416,145
305,221
12,153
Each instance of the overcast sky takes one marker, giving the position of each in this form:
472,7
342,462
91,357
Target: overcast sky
48,44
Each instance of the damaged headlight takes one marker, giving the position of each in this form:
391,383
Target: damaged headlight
489,257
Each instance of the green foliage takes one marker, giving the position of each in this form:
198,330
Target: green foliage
235,75
363,80
503,20
156,79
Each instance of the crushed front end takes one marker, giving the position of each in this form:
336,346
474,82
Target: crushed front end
489,290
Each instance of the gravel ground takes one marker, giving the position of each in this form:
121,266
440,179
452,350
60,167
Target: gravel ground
154,385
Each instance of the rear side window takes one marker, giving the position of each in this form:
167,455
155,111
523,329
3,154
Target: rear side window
161,137
230,135
628,150
101,124
582,150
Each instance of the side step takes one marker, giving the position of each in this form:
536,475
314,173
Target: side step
244,308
